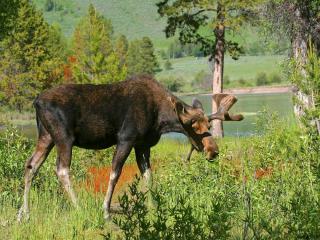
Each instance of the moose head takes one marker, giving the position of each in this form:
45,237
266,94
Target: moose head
197,124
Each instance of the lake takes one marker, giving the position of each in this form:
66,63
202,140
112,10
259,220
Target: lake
248,104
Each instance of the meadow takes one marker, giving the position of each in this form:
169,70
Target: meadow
246,68
260,187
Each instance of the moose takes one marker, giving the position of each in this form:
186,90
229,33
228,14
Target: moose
132,114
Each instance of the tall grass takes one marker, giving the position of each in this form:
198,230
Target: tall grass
262,187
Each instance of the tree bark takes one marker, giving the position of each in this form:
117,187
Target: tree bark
217,81
299,51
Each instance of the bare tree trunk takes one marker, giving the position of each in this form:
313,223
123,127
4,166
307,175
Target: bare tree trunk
217,82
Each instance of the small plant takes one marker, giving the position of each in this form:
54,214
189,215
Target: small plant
275,78
262,79
167,65
174,84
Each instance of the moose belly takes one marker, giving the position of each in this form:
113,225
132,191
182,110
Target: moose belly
93,138
94,143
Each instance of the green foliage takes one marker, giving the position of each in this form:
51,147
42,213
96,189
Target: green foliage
261,79
275,78
230,200
291,21
121,48
174,220
177,50
172,83
8,14
29,61
307,78
49,5
227,199
14,150
96,59
141,58
196,22
167,65
202,81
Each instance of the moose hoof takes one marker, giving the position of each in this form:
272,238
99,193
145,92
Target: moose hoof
107,217
22,215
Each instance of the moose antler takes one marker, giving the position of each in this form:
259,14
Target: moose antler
224,103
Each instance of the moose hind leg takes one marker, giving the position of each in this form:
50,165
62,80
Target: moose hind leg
143,161
64,151
43,148
122,151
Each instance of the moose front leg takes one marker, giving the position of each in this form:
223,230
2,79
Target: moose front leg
122,151
190,153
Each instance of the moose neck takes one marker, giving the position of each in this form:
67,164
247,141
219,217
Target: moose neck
167,119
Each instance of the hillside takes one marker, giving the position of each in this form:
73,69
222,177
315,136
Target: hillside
133,18
139,18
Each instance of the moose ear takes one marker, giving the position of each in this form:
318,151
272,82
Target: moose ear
177,106
196,104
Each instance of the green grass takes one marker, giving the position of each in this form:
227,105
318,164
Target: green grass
132,18
16,118
237,203
137,19
246,68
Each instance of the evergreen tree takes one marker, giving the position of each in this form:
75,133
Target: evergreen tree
8,14
149,60
141,57
121,48
28,63
96,60
133,59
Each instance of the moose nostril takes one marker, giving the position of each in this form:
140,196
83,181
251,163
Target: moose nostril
212,155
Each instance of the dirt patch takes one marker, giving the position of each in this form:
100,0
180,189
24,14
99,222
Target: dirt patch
98,178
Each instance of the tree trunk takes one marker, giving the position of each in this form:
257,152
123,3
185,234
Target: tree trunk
217,82
299,51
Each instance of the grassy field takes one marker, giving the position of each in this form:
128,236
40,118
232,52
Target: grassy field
246,68
263,187
133,18
137,19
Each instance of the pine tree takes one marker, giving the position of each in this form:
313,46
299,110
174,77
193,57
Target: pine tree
133,59
96,60
149,61
8,14
28,64
121,48
141,58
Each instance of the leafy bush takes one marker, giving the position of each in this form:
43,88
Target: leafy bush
229,199
202,81
167,65
174,220
275,78
262,79
174,84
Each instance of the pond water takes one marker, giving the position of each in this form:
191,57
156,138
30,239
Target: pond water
248,104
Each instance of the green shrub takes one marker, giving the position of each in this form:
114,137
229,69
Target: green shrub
167,65
228,199
262,79
275,78
174,84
